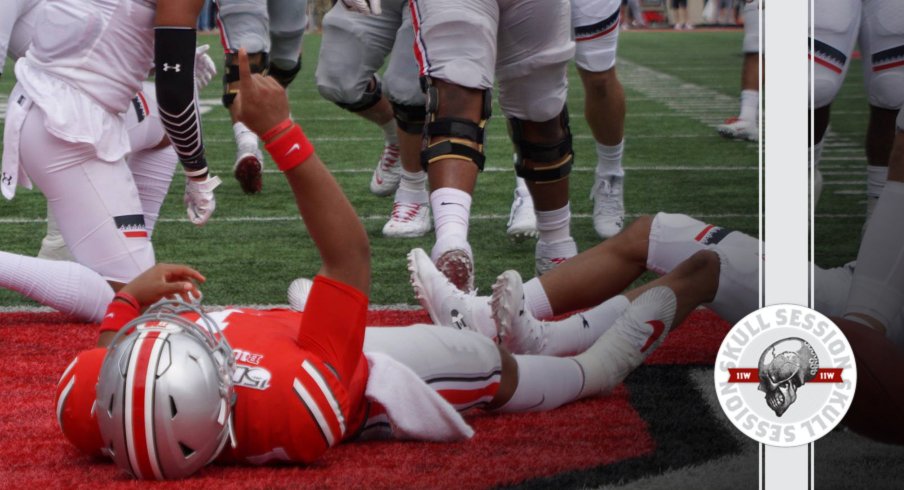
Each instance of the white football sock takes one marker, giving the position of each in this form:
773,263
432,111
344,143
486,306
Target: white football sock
877,289
876,176
412,187
750,105
554,225
544,383
609,159
451,213
389,132
578,332
521,187
153,172
536,300
68,287
243,135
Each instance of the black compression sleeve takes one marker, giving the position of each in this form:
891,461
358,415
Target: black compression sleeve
174,63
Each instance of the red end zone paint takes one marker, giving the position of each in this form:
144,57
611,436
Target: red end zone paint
35,348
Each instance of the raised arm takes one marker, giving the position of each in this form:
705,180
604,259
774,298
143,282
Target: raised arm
332,222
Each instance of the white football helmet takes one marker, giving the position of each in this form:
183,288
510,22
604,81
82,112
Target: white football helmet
165,393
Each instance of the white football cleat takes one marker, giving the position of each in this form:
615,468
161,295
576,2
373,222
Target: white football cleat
739,129
456,262
632,338
298,293
549,255
248,168
608,196
447,305
522,223
388,173
516,327
408,219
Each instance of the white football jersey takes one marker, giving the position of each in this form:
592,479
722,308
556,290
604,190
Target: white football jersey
105,48
16,28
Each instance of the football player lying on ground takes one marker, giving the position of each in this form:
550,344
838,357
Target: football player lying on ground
174,386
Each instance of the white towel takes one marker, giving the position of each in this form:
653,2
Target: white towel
17,109
415,411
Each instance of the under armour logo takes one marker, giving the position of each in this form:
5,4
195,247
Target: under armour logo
7,179
177,67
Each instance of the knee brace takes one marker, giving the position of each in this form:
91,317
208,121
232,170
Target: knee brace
284,77
232,73
367,100
552,161
410,118
456,131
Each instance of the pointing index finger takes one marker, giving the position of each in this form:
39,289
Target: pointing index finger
244,71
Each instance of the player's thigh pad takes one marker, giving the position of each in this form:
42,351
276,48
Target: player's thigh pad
287,24
835,31
751,14
245,24
143,120
455,40
882,44
401,79
95,202
535,47
462,366
595,33
673,238
352,50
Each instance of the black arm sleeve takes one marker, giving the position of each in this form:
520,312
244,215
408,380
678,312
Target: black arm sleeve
174,64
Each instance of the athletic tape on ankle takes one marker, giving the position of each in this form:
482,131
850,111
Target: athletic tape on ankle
291,149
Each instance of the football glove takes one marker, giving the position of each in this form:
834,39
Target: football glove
199,199
205,68
369,7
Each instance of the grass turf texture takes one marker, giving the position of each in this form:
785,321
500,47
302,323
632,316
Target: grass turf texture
254,245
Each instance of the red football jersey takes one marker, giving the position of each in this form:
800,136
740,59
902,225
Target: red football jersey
299,378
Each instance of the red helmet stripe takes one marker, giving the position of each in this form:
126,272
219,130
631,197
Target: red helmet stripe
139,409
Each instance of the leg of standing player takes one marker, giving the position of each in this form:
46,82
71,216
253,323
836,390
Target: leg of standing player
247,24
745,126
410,215
596,35
531,68
354,47
882,45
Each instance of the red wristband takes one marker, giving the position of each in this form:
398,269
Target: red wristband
275,130
291,149
118,314
128,298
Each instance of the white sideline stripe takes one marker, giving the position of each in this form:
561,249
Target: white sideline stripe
653,168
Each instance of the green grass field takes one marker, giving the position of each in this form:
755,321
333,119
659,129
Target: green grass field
679,86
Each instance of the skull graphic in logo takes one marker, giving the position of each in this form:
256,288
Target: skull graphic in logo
784,367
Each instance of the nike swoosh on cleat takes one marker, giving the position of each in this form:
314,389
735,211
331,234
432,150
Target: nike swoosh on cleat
658,328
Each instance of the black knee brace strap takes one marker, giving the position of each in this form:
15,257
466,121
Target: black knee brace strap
458,130
232,74
367,100
285,77
410,118
559,155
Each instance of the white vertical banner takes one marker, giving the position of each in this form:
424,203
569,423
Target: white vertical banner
785,195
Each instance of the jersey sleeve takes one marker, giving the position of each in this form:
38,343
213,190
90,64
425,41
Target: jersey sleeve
333,324
74,401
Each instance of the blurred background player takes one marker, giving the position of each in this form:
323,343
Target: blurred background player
838,24
745,126
596,41
354,47
65,129
461,47
271,32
